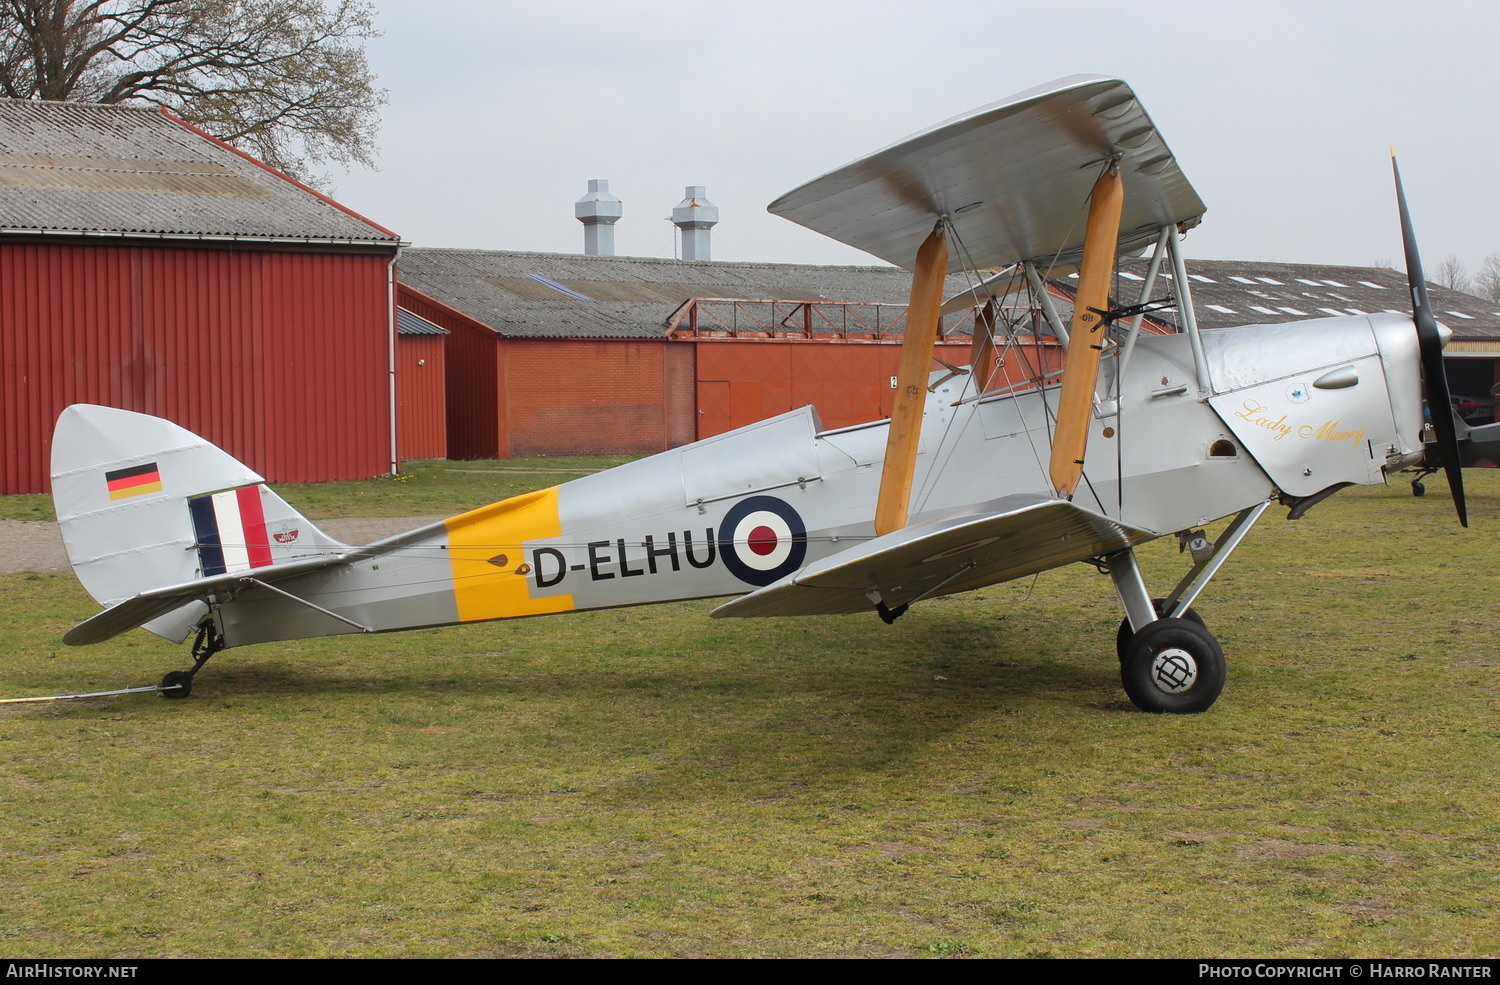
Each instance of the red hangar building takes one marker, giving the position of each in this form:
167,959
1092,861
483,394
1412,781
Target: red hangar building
146,265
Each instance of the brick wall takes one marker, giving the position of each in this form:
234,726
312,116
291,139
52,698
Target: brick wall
740,383
514,397
579,397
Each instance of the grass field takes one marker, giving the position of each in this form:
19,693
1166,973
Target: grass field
970,781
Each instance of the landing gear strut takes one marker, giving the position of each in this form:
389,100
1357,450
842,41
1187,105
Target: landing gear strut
1169,661
1122,638
179,683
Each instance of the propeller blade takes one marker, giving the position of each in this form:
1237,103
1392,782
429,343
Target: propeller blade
1430,343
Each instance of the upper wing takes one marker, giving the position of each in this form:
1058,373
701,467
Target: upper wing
1019,535
1014,176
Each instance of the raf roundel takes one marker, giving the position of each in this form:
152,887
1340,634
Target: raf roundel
762,539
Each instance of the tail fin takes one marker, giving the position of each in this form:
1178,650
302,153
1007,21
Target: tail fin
143,503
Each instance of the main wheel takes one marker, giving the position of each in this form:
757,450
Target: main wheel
1125,633
1173,666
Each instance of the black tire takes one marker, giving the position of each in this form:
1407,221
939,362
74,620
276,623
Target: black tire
1173,666
1123,636
180,682
1417,489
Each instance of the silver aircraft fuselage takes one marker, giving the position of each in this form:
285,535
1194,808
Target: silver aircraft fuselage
1292,410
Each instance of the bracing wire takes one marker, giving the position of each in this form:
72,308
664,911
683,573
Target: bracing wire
1011,347
971,273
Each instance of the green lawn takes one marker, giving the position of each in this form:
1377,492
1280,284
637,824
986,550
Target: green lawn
970,781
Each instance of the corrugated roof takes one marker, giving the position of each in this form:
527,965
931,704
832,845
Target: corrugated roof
552,295
86,168
411,324
1249,292
559,295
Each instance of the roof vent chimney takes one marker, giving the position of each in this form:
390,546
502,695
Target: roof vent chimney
598,211
695,215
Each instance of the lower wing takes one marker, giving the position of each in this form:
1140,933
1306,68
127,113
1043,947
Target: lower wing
1014,537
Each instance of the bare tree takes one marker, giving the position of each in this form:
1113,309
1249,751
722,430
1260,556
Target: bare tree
1487,279
285,80
1450,272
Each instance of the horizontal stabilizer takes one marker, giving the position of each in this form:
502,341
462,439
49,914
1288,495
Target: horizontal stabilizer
1014,176
146,606
1017,536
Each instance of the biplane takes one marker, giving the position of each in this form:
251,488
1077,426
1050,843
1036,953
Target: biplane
1477,447
967,484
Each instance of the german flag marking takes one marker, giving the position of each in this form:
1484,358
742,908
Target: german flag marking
137,480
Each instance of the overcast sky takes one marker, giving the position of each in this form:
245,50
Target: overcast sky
1279,113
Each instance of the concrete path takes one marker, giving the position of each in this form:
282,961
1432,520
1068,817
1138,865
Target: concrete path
35,545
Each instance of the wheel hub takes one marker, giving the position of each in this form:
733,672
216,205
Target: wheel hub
1174,670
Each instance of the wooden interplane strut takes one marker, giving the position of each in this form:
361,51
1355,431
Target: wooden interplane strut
1075,404
982,349
923,315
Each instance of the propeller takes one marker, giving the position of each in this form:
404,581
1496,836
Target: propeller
1430,343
